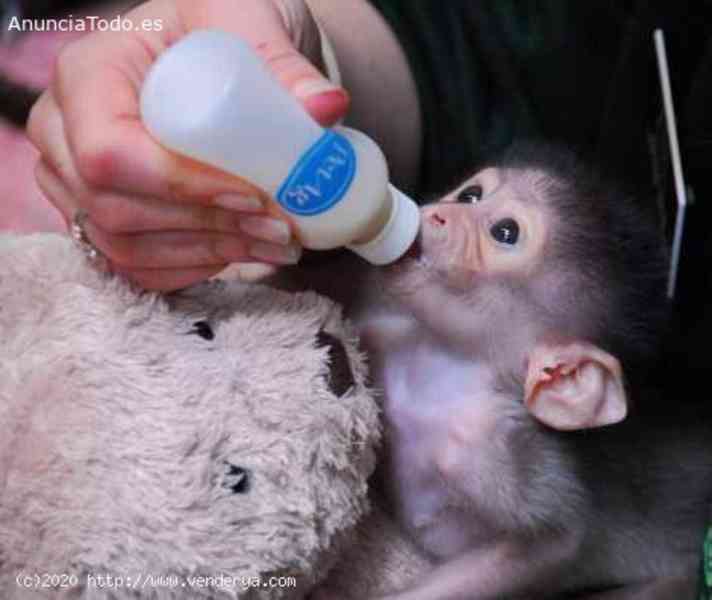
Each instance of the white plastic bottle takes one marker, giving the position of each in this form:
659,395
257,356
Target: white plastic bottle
211,98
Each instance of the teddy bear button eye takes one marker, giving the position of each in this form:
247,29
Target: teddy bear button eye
203,329
236,479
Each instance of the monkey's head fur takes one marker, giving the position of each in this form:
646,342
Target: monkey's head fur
609,250
540,245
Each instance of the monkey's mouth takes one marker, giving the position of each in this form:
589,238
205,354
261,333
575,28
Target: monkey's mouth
413,262
415,252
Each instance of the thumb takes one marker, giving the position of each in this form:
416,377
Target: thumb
324,100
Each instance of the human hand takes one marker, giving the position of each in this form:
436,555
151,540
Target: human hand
162,220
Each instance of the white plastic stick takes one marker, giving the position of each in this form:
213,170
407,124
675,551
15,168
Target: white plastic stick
680,189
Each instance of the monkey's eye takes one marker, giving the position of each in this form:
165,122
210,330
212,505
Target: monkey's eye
472,194
505,231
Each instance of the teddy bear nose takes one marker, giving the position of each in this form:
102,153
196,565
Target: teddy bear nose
340,377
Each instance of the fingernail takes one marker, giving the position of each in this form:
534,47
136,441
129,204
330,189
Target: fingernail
267,229
311,87
327,108
271,253
239,203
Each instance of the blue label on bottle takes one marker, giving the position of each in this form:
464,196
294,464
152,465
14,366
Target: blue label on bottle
321,176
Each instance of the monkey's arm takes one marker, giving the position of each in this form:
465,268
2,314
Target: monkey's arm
508,568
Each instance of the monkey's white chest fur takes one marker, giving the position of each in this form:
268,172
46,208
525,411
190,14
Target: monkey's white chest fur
438,424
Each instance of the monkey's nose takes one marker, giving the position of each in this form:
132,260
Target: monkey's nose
436,219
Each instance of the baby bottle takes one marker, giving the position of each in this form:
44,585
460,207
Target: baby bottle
211,98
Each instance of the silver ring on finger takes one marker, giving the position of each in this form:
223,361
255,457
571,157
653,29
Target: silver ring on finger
82,241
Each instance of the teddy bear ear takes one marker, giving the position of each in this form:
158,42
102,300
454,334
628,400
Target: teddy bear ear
340,378
574,385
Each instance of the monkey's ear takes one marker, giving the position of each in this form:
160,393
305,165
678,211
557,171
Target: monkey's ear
574,385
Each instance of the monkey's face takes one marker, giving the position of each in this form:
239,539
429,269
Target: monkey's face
478,246
492,225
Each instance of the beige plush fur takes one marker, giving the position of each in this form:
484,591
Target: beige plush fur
119,425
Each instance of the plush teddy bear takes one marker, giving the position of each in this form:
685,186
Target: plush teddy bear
213,443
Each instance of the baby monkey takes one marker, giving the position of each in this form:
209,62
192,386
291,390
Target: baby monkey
526,453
